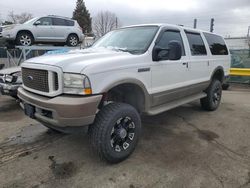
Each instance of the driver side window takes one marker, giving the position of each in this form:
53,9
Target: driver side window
45,21
169,36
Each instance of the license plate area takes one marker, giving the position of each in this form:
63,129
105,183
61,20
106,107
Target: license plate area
29,110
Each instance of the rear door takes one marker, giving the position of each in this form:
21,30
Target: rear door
199,59
61,29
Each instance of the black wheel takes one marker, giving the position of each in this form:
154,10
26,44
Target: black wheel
24,39
214,92
115,132
72,40
225,86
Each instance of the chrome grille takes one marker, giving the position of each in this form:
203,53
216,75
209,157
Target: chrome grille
36,79
56,82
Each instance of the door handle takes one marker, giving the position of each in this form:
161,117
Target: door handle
186,64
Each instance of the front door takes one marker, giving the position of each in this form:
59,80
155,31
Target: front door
44,30
169,78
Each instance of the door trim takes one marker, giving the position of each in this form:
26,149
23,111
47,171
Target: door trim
174,94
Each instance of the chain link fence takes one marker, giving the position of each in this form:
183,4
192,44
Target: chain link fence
240,59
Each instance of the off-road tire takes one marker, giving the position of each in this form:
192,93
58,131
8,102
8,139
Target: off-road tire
212,101
24,39
72,40
106,122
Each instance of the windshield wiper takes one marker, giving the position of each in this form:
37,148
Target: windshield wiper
129,51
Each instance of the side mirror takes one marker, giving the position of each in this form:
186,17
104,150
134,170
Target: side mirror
173,52
37,23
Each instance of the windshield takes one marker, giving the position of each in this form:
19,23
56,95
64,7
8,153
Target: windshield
30,21
135,40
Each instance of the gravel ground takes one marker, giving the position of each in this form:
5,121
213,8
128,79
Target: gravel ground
184,147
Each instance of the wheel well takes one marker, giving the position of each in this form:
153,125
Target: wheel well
127,93
73,34
218,75
25,31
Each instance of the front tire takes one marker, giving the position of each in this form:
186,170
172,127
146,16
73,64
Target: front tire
24,39
115,132
214,92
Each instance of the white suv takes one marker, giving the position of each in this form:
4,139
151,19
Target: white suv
145,69
48,29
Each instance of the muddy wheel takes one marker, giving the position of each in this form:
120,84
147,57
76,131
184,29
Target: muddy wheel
214,92
115,132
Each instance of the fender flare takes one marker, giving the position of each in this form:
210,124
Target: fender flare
131,81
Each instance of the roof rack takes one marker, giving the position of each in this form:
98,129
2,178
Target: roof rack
61,17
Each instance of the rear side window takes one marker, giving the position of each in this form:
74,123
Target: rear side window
59,22
216,44
169,36
196,44
70,22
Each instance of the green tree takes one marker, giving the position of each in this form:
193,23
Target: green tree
82,15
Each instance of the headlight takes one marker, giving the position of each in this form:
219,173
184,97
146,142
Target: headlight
8,28
8,78
76,84
17,77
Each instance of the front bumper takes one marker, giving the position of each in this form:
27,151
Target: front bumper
62,111
9,35
9,89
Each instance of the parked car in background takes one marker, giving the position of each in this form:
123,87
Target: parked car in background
47,29
10,80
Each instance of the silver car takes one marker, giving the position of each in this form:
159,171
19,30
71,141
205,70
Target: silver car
48,29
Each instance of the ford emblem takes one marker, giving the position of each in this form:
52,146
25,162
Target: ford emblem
30,78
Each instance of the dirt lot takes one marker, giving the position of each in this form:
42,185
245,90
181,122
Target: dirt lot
185,147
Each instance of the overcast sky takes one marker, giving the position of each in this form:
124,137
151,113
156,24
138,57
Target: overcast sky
232,17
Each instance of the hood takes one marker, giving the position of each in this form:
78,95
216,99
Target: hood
77,60
10,70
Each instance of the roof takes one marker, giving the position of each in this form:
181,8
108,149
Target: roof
171,26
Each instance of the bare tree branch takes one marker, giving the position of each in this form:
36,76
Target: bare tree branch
19,18
104,22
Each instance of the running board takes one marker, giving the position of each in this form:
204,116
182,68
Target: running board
174,104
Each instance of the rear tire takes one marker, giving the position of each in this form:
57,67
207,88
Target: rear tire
225,86
115,132
24,39
72,40
212,101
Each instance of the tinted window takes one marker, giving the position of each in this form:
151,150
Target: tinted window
169,36
196,44
59,22
70,22
45,21
216,44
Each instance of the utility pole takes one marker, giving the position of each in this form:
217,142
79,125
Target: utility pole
212,25
116,22
195,23
248,40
